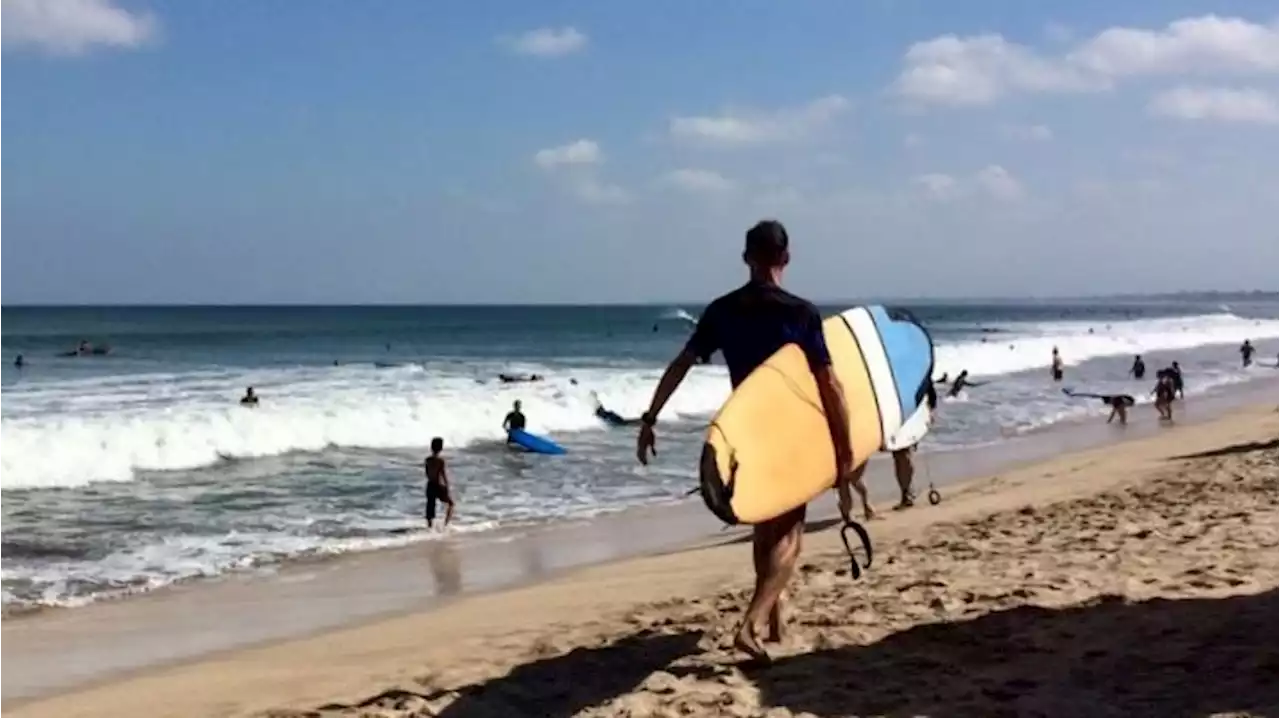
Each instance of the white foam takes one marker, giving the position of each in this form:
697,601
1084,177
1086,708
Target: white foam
72,433
1029,346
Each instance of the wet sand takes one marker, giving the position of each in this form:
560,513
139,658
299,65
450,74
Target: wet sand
1134,579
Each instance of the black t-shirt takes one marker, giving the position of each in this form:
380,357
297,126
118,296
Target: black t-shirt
515,420
751,323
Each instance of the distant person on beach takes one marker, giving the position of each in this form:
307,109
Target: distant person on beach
747,326
437,484
904,469
1055,369
1175,376
1119,404
1164,395
249,398
1139,368
514,420
1246,353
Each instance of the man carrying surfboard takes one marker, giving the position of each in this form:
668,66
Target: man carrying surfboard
748,325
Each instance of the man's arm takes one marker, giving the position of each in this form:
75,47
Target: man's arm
670,381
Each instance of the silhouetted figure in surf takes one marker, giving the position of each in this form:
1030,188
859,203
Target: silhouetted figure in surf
961,383
609,417
1139,368
519,378
1246,353
1055,368
19,362
1119,404
249,398
437,484
515,420
942,379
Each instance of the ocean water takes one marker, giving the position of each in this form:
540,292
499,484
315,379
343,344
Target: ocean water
130,471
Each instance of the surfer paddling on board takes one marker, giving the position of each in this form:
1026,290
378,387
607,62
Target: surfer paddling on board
747,326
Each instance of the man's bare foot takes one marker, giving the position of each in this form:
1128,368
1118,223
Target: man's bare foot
746,642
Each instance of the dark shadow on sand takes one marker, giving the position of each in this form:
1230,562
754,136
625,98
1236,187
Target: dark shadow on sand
1162,657
1245,448
563,685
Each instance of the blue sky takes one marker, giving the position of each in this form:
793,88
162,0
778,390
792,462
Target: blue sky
327,151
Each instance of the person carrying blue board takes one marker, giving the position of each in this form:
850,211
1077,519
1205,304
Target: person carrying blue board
514,420
747,326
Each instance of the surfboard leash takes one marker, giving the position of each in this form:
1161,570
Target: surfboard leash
855,570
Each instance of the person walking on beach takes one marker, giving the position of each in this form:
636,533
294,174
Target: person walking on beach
437,484
747,326
904,469
1164,392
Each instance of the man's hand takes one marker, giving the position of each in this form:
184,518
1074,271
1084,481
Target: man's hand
645,444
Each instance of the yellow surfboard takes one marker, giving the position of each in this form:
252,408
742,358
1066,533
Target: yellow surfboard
768,450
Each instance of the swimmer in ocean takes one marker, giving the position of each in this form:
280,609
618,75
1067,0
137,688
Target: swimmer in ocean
249,398
609,417
961,382
1139,368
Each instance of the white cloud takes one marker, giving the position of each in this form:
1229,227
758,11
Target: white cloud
547,42
1222,104
981,69
991,181
72,27
1028,133
997,182
698,181
591,190
578,152
937,186
1193,45
736,128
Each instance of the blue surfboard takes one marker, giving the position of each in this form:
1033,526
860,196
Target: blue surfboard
533,442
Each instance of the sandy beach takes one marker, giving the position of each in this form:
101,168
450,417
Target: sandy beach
1134,579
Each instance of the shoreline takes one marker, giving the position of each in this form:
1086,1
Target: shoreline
187,624
419,657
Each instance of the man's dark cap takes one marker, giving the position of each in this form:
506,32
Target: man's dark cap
767,240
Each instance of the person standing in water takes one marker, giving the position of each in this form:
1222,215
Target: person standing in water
1246,354
1164,396
249,398
437,484
514,420
747,326
1139,368
1055,369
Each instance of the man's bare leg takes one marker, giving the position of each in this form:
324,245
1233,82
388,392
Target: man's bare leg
905,473
781,537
